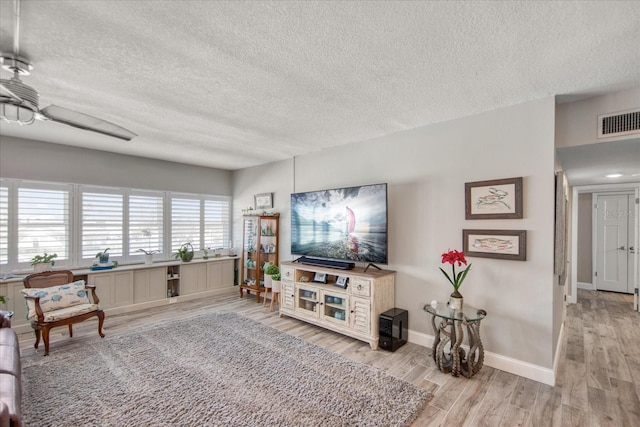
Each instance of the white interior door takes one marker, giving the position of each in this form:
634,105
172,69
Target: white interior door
615,233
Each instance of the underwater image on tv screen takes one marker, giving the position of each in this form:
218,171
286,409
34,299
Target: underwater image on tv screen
343,224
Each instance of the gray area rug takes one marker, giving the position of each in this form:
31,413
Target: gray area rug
215,369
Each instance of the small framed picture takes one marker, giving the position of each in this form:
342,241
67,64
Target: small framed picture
496,199
342,281
501,244
264,200
320,278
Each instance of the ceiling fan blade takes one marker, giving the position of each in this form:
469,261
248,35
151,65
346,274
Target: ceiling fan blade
86,122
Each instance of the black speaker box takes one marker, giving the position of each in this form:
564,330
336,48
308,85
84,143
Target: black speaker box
394,326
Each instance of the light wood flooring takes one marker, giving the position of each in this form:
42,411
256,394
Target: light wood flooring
598,382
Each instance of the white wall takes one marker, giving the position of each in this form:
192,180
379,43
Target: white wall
577,122
426,169
41,161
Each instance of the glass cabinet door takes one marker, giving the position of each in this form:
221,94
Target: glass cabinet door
334,307
307,299
251,276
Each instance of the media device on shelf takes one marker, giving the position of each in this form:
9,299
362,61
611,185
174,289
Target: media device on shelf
338,227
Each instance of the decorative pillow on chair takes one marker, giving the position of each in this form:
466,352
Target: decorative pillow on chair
57,297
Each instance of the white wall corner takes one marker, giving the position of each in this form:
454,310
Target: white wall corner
498,361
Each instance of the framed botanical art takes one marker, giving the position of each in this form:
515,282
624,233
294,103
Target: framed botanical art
495,199
264,200
501,244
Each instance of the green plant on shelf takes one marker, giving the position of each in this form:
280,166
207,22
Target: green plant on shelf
43,259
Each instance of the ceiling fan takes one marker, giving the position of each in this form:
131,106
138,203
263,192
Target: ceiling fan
19,102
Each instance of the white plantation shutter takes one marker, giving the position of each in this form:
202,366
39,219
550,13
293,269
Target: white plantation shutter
77,221
4,225
145,222
216,223
43,223
102,223
185,222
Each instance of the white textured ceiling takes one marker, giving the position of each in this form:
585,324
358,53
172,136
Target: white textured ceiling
236,84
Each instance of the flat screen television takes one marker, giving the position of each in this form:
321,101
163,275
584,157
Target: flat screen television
347,224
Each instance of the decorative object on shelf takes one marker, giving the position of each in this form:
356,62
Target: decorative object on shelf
341,281
103,257
495,199
320,278
263,200
205,253
43,262
501,244
185,252
148,255
454,257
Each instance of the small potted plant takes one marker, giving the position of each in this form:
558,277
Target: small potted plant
148,255
454,257
205,253
43,262
269,270
185,252
103,257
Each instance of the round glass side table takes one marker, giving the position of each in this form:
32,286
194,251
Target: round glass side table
449,328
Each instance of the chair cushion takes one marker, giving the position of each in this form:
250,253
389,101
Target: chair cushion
65,313
57,297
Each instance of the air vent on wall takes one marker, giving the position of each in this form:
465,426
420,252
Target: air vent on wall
619,124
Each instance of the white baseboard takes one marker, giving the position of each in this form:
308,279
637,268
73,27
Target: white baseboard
498,361
588,286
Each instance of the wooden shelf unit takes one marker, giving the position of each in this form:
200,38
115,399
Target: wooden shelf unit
259,245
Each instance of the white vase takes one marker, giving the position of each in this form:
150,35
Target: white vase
275,286
42,266
148,258
268,282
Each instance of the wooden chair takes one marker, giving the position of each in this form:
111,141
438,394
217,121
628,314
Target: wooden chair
65,306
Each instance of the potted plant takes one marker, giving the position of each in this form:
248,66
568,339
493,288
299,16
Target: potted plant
185,252
269,270
205,253
454,257
103,257
43,262
148,255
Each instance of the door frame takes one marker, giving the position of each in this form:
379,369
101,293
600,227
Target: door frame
572,295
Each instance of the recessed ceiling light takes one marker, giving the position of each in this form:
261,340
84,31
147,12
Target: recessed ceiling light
614,175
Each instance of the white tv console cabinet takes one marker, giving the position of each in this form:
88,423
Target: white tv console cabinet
353,311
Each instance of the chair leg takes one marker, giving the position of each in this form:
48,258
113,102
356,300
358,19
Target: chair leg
100,322
45,338
275,298
37,332
70,331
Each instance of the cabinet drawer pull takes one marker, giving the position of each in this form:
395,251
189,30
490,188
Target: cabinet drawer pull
359,287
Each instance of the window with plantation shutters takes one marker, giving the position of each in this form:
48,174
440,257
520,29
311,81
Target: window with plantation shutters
216,223
42,223
146,222
77,221
185,222
102,223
